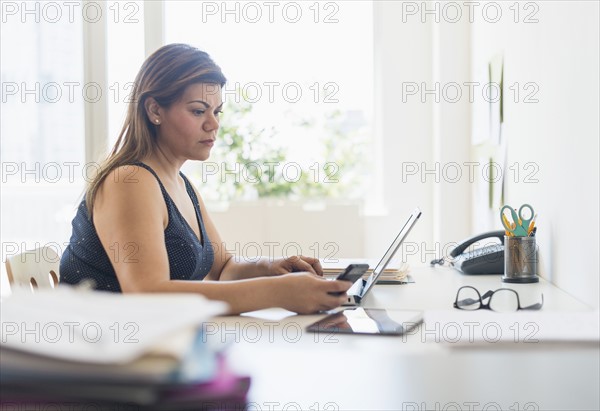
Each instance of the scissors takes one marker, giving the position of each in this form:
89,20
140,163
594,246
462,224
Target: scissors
519,227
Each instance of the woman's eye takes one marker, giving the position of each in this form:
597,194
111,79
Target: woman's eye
198,112
218,113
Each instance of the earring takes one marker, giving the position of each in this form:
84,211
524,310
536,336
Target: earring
157,121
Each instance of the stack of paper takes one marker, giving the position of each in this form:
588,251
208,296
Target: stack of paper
392,273
67,346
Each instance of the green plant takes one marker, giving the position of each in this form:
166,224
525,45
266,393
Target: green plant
250,161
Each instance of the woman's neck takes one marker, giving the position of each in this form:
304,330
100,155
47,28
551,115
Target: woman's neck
167,166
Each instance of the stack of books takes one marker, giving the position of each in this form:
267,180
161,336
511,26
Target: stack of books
393,274
98,350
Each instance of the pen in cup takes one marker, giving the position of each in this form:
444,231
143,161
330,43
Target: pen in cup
531,225
507,224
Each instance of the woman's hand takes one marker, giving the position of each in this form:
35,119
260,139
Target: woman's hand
304,293
294,264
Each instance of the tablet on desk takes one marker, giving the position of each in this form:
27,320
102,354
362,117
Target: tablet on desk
371,321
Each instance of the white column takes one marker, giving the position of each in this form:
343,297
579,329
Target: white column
403,56
95,80
452,131
154,25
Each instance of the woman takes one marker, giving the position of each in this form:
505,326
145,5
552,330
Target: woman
143,227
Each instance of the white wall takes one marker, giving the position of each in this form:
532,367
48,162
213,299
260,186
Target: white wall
559,133
402,52
416,132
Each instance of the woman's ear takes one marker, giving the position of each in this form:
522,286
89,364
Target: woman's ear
153,110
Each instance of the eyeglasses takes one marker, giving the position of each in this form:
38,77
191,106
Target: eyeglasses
500,300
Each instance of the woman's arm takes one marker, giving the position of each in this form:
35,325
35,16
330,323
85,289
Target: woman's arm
130,214
302,293
266,266
227,267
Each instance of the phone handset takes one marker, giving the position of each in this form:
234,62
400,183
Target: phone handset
463,245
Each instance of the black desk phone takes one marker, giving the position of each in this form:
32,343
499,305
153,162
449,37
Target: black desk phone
485,260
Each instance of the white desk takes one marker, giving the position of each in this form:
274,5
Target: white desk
293,369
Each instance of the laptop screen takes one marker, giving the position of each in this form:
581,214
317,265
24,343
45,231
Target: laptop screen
383,263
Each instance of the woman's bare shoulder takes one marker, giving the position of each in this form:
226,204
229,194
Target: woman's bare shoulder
132,186
131,179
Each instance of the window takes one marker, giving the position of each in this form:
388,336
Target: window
298,108
42,127
125,55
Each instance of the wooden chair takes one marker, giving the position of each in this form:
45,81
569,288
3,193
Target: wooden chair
34,269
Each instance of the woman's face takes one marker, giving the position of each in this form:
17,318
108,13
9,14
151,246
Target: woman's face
188,128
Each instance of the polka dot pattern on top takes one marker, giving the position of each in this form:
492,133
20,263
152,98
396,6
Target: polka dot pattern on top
86,259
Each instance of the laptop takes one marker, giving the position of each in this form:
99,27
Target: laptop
359,290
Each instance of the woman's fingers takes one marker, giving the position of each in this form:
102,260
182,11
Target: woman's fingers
314,263
306,293
303,263
338,286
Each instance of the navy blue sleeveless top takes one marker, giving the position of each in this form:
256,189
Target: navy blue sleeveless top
85,257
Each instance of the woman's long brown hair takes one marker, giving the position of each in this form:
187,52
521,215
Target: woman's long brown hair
165,75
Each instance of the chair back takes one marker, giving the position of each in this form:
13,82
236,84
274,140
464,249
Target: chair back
34,269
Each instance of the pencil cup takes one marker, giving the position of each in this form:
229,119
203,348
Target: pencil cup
520,260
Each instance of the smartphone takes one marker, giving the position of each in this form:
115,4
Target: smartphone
352,273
